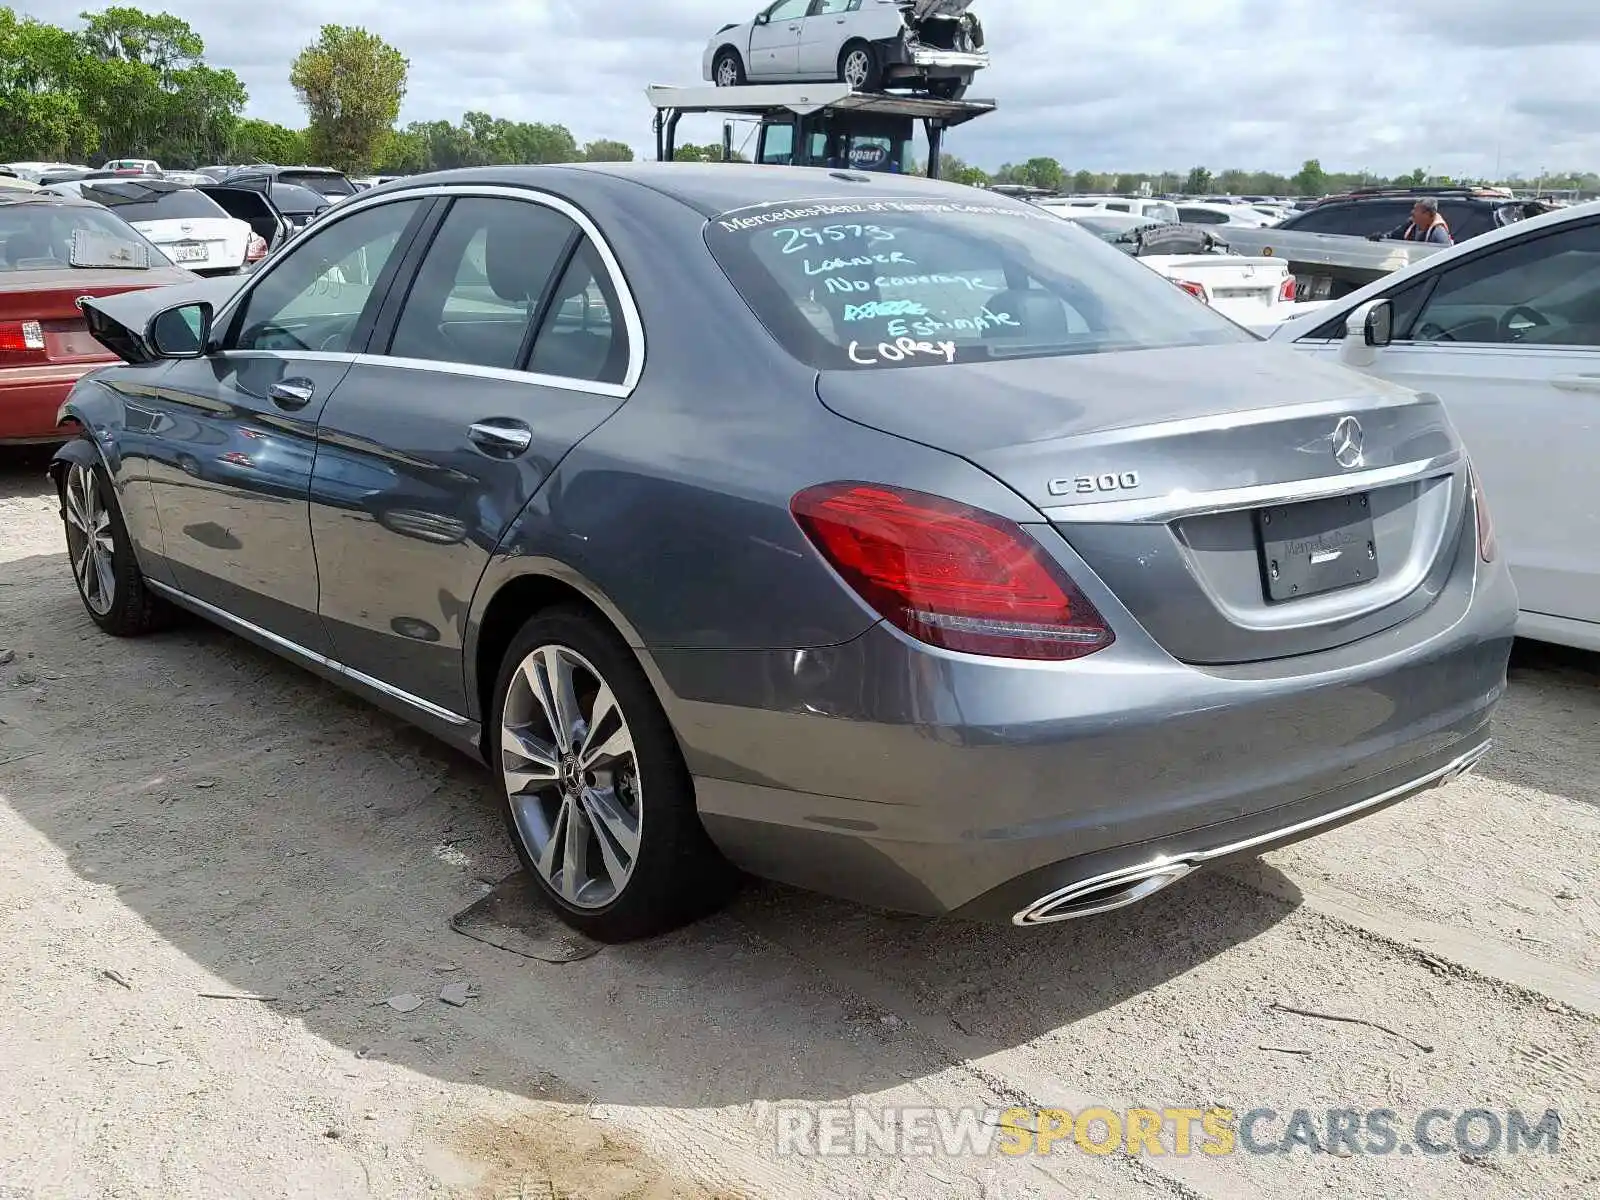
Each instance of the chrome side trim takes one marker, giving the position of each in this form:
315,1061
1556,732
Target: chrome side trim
528,195
616,391
1168,868
239,623
1155,510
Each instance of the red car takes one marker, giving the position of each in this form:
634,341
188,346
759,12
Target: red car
54,249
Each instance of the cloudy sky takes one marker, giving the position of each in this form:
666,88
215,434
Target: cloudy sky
1455,86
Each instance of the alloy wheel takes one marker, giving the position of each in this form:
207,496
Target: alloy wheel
857,68
571,772
727,73
89,539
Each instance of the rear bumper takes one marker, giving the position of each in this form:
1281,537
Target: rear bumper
30,398
901,54
893,775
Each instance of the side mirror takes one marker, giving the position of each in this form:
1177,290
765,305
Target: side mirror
763,19
1367,329
182,331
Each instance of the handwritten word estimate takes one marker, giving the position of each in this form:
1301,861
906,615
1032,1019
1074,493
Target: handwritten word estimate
899,350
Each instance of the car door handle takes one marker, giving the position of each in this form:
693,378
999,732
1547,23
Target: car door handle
1577,383
501,438
292,393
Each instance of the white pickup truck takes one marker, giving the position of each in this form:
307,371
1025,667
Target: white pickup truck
1254,291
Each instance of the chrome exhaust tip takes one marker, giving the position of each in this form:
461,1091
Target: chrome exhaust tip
1103,893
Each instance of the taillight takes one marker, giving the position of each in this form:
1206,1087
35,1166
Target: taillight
950,575
1197,290
21,338
257,250
1488,543
1286,290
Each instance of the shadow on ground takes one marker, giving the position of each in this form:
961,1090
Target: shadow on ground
295,843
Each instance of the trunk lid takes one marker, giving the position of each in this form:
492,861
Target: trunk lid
1164,469
51,298
203,242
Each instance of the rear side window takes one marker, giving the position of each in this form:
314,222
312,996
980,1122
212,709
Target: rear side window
880,283
482,282
1467,220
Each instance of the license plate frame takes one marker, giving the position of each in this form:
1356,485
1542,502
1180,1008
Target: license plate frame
1315,547
190,252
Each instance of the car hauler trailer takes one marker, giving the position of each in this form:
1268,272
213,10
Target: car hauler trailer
820,124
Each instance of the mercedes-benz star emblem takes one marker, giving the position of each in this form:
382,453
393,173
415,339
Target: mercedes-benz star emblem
1347,439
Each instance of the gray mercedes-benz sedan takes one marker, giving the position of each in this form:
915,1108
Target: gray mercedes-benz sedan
884,537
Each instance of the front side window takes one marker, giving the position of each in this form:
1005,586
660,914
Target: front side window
875,283
314,298
1202,216
482,283
1543,291
788,10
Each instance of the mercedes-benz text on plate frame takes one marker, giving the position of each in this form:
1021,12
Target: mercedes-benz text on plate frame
1069,586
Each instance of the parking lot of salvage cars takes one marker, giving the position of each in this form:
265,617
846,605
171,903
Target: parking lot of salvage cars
224,884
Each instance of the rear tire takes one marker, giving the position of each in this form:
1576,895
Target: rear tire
598,800
100,552
860,68
727,69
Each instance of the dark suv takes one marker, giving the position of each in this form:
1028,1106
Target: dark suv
1469,211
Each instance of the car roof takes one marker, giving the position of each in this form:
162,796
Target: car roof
713,188
1297,326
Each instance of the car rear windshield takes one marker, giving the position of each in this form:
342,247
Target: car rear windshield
139,201
330,184
41,237
877,283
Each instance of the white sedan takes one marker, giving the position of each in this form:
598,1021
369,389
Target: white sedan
869,44
188,226
1505,329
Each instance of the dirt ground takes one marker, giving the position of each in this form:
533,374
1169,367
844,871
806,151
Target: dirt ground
187,815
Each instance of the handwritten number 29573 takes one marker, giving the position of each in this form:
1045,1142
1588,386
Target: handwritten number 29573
796,240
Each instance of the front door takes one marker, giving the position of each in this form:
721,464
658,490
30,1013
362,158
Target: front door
775,45
1510,340
510,346
230,463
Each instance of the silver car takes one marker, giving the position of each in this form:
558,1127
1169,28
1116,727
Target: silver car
936,45
862,532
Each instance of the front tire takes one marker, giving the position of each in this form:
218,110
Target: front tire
598,800
727,70
104,567
860,68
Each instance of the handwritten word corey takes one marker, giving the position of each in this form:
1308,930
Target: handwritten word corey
899,350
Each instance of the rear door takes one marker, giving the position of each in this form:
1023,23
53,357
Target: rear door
827,27
230,458
514,339
1510,340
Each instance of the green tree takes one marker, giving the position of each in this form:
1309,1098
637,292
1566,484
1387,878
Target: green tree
606,150
1042,173
40,115
1310,180
351,83
1083,181
1198,182
1416,178
141,79
956,171
255,140
711,152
